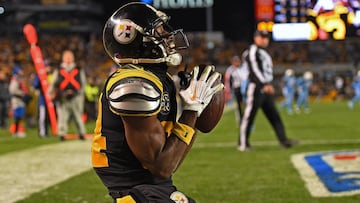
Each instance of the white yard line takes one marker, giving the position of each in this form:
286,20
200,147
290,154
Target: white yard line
29,171
275,143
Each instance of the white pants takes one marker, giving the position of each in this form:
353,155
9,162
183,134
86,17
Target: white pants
66,108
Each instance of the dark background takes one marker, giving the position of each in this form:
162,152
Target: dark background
235,18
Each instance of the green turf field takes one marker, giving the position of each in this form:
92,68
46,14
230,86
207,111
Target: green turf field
215,172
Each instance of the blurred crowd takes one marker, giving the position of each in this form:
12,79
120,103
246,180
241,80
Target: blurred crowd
88,51
14,50
90,55
292,53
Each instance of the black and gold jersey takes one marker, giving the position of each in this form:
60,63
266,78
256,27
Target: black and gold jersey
130,91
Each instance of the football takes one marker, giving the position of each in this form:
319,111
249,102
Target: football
211,115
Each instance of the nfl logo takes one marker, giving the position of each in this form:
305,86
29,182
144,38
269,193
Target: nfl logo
330,173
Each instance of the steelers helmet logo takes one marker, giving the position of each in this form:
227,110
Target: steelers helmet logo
179,197
124,32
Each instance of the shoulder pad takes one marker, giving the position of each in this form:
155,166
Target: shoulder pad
136,94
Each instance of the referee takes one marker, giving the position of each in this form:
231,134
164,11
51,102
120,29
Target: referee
260,92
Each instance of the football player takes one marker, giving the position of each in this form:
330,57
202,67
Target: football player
303,88
288,90
138,143
356,87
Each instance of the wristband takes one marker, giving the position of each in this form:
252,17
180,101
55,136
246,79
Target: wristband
184,132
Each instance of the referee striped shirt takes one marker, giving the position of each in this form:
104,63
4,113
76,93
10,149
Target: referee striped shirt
260,65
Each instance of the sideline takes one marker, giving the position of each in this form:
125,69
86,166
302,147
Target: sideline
29,171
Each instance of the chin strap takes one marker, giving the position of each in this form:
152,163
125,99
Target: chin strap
171,60
139,60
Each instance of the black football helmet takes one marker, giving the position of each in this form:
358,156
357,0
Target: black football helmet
139,33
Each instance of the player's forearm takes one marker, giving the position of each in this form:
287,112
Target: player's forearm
175,149
189,117
161,155
170,158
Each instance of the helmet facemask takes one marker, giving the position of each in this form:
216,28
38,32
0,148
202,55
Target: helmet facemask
167,39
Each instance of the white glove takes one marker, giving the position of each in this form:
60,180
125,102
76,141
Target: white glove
199,93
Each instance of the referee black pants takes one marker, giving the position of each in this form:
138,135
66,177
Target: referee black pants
256,99
238,97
